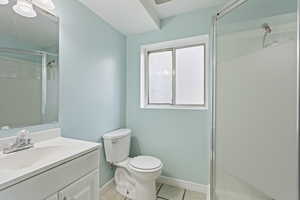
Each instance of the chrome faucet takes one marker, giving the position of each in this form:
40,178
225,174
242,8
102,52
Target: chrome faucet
23,141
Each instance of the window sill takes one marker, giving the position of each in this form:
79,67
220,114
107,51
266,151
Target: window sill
172,107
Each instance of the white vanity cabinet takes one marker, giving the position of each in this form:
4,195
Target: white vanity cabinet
84,189
74,177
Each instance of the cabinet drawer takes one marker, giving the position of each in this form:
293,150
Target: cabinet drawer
84,189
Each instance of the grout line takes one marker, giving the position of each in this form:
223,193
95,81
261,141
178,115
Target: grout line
162,198
159,189
157,196
183,197
157,192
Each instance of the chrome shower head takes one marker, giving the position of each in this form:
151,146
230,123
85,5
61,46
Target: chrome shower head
267,28
51,63
268,31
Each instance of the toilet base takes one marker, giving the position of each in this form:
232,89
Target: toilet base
136,185
125,185
145,191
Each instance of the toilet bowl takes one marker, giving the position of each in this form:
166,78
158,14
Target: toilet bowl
134,177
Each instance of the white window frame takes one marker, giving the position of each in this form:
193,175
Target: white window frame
174,44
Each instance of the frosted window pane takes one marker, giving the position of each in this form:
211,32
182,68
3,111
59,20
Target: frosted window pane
190,71
160,77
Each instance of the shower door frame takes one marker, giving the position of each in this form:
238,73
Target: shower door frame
229,7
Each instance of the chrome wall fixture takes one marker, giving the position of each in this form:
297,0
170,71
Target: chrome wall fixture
213,62
26,8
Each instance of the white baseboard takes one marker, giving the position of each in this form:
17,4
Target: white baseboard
107,186
184,184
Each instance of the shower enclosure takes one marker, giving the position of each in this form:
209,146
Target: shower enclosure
255,61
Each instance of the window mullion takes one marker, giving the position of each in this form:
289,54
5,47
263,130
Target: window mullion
147,78
174,76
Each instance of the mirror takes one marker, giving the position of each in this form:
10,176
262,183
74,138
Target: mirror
28,68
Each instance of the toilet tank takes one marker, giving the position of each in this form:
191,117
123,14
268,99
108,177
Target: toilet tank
117,145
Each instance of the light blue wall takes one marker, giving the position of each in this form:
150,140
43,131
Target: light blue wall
92,76
257,9
180,138
11,132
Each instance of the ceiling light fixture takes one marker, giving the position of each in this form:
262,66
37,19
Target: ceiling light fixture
4,2
24,8
46,4
159,2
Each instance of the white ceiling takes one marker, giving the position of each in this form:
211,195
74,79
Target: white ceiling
138,16
127,16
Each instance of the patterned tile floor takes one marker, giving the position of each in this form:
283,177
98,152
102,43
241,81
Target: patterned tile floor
164,192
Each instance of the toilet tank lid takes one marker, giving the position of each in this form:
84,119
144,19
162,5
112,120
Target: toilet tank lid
120,133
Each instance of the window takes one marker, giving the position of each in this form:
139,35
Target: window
173,74
160,77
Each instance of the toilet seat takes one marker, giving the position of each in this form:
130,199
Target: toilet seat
145,164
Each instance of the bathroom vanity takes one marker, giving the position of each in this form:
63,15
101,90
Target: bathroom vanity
45,166
56,168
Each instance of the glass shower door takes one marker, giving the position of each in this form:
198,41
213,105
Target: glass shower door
256,143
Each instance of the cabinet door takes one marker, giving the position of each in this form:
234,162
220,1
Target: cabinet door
54,197
84,189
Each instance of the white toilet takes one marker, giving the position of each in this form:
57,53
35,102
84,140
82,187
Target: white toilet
134,177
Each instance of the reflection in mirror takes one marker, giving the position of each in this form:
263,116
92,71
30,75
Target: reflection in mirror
28,68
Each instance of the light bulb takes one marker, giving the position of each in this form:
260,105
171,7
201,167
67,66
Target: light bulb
4,2
46,4
24,8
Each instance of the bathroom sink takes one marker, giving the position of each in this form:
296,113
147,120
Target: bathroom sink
45,155
28,158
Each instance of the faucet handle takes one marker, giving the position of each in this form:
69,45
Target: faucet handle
23,141
29,141
23,137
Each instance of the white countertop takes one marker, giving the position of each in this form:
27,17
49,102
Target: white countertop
45,155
